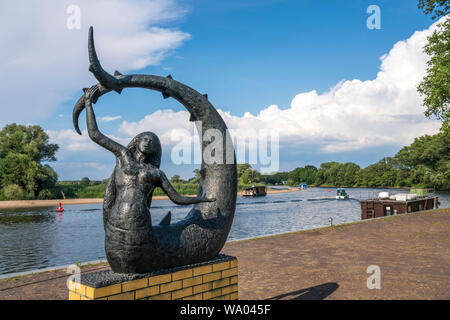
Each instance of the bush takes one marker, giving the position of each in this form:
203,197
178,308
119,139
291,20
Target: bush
94,191
45,194
13,192
182,188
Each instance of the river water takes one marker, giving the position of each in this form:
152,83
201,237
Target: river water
39,238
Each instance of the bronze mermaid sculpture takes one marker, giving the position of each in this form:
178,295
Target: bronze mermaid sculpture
132,243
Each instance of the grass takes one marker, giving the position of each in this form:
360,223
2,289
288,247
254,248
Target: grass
182,188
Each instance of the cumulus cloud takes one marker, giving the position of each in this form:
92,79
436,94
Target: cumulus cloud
352,115
69,140
79,156
43,62
162,122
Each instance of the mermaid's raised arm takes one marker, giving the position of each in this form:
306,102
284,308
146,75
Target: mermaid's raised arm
178,198
95,135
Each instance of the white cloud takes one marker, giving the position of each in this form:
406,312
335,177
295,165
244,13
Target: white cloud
43,63
353,115
109,118
69,140
161,122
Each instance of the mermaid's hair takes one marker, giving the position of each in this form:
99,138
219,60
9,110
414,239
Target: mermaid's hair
156,156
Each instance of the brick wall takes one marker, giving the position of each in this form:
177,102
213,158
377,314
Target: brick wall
211,281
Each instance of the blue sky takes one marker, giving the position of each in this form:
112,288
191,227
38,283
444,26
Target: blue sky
247,55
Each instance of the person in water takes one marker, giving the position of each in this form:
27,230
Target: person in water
128,196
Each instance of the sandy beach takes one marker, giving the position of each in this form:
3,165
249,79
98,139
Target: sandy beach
54,203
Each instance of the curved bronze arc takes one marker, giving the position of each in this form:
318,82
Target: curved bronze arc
203,232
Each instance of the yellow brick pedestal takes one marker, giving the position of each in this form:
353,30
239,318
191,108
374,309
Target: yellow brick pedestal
215,279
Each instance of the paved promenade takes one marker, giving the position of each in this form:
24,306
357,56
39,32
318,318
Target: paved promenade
412,252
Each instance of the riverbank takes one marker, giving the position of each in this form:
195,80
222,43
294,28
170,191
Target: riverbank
411,250
18,204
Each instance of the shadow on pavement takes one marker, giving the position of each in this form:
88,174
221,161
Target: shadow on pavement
319,292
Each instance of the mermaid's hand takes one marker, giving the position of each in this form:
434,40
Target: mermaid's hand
92,93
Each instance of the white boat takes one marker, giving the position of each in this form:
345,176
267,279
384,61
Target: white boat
341,194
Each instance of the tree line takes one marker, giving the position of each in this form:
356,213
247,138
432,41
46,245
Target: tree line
423,164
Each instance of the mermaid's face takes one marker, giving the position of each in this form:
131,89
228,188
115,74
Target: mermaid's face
147,144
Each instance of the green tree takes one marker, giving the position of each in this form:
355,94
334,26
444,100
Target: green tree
242,167
274,178
176,179
328,174
196,178
254,176
300,174
380,174
13,192
85,182
45,194
28,140
426,162
426,150
351,171
435,86
22,149
244,177
438,8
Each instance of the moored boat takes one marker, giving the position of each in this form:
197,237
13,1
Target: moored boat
400,203
253,191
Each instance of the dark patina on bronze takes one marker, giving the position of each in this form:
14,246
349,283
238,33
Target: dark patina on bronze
132,243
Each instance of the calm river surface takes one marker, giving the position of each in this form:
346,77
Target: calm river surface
39,238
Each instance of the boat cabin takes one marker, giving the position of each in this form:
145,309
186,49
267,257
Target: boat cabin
377,207
341,194
254,191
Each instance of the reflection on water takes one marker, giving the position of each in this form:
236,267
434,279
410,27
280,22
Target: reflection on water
19,218
41,237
